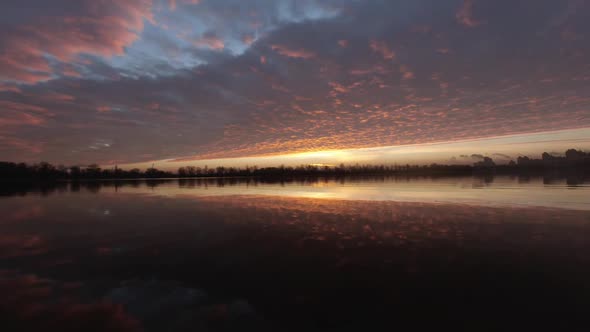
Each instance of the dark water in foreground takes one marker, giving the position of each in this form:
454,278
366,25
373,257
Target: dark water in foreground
371,254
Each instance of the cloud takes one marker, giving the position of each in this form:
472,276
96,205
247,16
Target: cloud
407,74
465,15
248,39
11,87
11,144
20,119
382,48
211,41
292,52
158,84
173,3
26,296
84,28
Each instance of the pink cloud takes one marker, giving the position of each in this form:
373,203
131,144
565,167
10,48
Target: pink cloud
382,48
465,15
376,69
70,71
172,3
20,107
20,119
292,53
104,30
20,114
248,39
210,41
9,87
338,88
343,43
407,74
59,97
8,143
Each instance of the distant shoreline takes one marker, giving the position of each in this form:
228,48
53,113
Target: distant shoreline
573,163
561,173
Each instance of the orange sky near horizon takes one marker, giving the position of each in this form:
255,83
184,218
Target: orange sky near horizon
502,149
229,81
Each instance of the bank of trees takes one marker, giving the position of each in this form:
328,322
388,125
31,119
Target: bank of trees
572,161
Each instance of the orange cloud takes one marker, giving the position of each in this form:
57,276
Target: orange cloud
292,53
338,88
13,143
376,69
211,41
248,39
9,87
465,15
20,119
58,97
407,74
382,48
20,107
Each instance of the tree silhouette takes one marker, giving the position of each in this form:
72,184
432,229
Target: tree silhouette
574,161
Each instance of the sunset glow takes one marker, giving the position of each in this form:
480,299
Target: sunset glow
502,149
294,165
314,81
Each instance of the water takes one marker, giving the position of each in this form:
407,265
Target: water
318,255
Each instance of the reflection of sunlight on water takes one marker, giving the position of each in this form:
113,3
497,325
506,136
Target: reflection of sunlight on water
502,191
172,248
320,184
318,195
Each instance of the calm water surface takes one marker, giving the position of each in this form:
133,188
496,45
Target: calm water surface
317,255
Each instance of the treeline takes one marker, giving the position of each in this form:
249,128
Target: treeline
23,188
315,170
573,161
45,170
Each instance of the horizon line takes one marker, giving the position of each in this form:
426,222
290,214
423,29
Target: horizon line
323,154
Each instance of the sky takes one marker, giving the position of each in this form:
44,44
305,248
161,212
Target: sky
178,82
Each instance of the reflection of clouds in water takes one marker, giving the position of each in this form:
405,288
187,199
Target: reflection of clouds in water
349,223
154,297
24,214
31,303
15,245
241,259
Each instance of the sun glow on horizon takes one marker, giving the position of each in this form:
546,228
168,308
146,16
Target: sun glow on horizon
320,155
501,148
